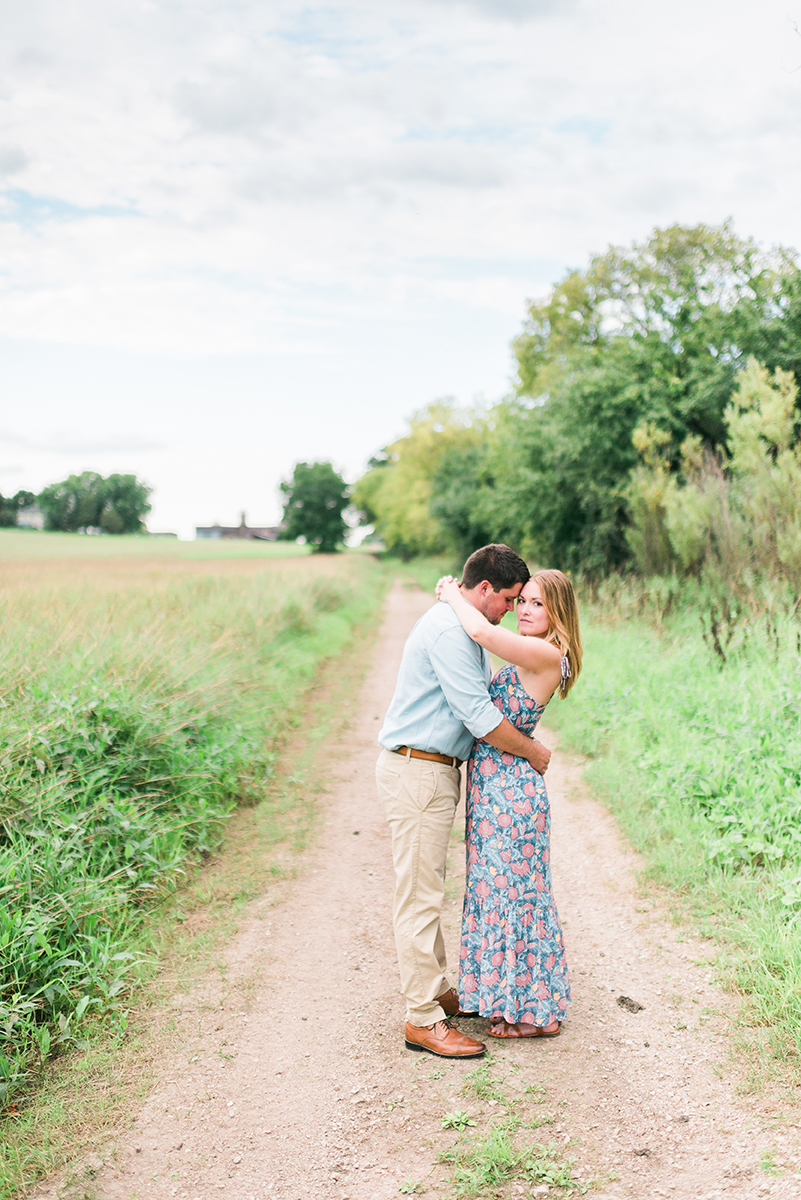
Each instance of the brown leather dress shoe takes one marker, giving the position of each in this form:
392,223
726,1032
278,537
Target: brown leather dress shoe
449,1003
443,1040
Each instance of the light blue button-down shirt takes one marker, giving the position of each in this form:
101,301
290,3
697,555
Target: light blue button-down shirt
441,702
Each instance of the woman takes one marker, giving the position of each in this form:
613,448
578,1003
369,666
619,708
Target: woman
513,968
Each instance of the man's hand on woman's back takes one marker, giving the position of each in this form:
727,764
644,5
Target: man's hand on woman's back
507,738
539,757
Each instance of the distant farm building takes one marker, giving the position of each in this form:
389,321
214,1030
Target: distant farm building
262,533
31,517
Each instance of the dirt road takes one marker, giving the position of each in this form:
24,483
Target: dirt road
291,1080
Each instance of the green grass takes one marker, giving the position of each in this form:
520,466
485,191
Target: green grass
699,756
423,572
486,1163
137,710
482,1084
18,544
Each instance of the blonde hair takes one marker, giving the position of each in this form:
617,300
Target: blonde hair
560,603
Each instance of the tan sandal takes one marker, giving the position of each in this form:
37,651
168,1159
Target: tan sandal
505,1029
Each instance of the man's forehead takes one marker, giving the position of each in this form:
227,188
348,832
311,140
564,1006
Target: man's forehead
512,592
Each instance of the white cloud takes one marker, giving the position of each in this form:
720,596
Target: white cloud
12,160
64,442
334,184
513,10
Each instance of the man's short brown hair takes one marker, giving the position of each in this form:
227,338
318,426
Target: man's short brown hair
496,563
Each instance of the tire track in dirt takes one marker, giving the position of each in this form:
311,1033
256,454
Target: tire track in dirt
288,1076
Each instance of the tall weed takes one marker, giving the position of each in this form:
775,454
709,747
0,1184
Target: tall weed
730,519
699,755
135,713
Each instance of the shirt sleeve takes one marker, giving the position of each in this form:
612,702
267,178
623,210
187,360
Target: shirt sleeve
457,663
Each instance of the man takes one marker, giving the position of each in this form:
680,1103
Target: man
441,704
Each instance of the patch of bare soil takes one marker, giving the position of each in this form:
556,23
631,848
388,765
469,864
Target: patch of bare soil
289,1078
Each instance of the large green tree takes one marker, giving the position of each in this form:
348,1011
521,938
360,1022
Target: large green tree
315,499
652,334
461,477
395,495
117,504
10,506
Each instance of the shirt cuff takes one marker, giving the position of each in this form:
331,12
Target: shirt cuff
490,720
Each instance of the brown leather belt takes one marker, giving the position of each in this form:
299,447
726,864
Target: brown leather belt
448,759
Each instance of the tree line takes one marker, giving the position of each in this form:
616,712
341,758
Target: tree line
653,426
652,423
114,504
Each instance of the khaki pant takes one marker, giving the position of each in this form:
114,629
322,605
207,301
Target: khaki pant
419,799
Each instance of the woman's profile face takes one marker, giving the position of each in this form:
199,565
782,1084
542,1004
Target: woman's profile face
532,615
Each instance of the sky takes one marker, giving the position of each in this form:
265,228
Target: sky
235,234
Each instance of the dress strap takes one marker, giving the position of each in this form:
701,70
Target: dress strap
565,669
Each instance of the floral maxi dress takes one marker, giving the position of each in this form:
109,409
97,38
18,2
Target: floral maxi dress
513,965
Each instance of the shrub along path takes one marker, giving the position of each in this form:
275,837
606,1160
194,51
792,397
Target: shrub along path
288,1075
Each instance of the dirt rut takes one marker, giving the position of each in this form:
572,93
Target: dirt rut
288,1076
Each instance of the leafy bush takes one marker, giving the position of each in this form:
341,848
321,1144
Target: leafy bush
735,517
